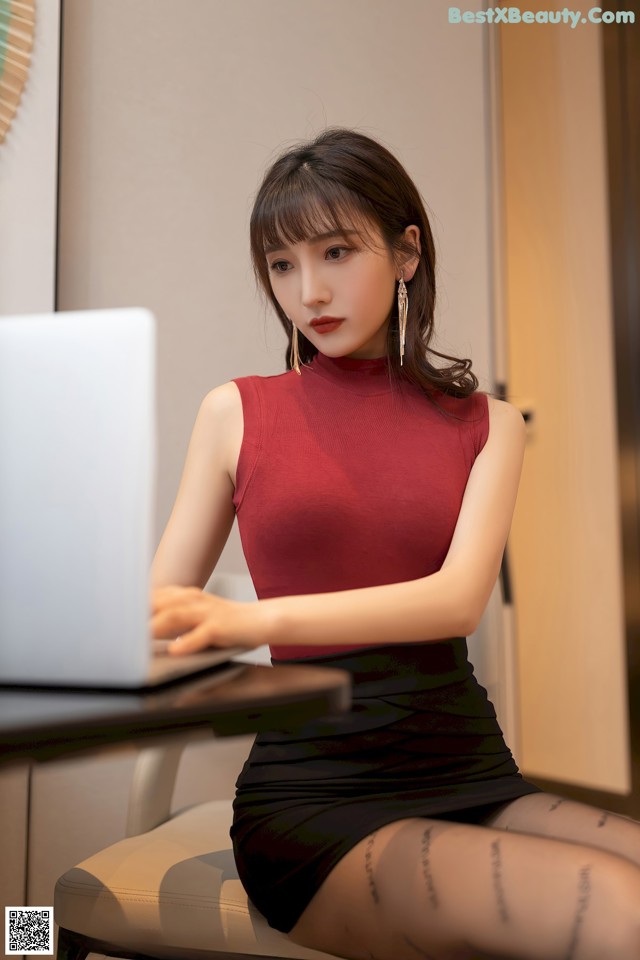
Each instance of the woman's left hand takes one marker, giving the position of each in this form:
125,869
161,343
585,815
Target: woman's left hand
200,620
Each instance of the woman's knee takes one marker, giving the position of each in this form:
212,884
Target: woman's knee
618,881
557,817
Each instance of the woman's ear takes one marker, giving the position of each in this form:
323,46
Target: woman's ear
410,265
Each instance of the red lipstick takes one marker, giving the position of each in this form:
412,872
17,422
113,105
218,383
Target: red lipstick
326,324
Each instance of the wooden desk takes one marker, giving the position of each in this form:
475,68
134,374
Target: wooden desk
40,724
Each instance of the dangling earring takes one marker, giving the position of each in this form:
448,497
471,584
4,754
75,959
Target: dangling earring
403,304
294,357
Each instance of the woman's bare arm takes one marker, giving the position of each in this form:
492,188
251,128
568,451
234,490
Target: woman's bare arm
448,603
203,513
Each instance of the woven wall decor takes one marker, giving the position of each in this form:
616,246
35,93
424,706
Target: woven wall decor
17,22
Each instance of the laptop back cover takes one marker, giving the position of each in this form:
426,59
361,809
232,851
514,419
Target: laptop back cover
77,496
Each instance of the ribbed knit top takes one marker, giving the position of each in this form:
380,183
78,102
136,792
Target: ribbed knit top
348,480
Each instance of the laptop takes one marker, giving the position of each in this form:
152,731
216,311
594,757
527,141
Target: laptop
77,503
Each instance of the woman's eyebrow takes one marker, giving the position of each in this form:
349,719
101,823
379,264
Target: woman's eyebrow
272,248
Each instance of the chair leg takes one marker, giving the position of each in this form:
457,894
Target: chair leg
71,946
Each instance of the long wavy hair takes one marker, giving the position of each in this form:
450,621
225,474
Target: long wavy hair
333,182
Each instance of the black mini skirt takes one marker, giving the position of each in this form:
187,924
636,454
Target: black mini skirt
421,740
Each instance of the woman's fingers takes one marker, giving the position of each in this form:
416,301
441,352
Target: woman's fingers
192,632
200,638
175,620
162,597
180,610
203,620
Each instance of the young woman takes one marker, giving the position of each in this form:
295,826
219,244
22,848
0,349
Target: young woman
374,492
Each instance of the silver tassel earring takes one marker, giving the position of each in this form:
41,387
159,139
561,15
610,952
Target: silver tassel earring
294,357
403,304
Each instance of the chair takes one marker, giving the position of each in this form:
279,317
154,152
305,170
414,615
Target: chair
170,888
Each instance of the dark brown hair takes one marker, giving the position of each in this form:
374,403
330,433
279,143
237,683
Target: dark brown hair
335,182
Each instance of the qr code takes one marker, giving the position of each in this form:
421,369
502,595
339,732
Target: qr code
28,930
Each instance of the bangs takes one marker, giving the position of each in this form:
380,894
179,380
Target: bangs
299,209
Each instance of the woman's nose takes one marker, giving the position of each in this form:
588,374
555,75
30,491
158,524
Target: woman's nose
314,287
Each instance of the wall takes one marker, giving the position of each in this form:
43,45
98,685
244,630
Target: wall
168,123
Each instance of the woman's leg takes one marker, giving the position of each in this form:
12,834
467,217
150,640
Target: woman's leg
551,815
427,889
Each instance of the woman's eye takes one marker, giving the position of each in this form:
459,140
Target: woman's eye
333,249
274,266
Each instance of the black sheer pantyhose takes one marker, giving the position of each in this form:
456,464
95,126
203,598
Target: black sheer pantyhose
532,884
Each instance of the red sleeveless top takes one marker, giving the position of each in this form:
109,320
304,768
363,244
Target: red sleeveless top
348,480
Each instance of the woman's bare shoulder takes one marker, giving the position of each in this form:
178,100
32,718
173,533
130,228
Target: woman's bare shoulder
507,426
224,398
222,407
503,408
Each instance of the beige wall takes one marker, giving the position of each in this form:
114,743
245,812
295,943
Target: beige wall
565,539
168,124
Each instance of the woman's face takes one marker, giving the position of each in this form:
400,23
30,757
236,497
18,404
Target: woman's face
337,276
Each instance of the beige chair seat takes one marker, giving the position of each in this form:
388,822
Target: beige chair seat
172,891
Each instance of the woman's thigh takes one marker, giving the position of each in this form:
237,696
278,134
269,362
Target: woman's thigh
427,889
551,815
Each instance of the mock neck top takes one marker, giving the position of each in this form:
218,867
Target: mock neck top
348,479
358,375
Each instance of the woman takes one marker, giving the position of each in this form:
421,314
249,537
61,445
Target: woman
374,493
